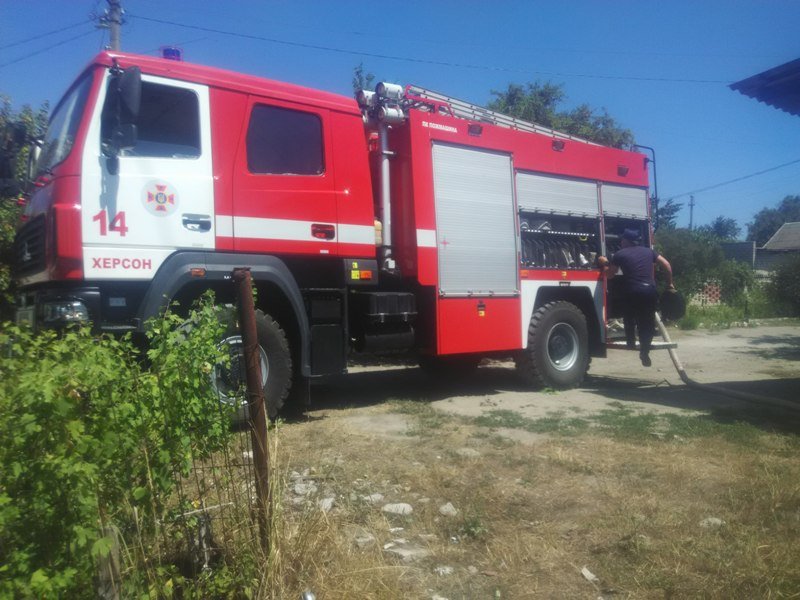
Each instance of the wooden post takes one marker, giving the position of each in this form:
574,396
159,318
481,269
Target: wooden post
255,399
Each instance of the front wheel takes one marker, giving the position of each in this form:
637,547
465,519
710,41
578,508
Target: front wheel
275,364
557,355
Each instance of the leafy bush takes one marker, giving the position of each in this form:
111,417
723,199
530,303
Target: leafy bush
710,317
784,289
691,320
34,123
757,303
735,278
697,258
92,437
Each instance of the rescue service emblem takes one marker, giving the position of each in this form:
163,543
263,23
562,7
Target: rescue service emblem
160,198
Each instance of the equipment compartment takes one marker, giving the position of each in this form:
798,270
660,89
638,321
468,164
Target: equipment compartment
558,242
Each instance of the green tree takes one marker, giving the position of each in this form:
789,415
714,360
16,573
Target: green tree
722,228
535,102
768,220
696,258
666,214
33,123
539,103
362,80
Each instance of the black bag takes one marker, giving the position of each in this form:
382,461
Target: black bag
671,305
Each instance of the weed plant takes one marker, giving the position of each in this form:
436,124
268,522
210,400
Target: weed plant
96,442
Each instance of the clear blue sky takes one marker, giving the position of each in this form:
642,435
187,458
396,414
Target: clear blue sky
660,68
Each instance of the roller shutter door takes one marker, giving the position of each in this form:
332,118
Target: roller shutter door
475,221
559,195
622,201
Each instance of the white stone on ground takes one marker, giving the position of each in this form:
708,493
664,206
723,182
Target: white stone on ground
399,508
448,510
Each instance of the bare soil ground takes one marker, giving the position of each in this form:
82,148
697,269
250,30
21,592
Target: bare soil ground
656,489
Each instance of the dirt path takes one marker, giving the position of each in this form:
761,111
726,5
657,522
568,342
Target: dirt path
762,360
539,486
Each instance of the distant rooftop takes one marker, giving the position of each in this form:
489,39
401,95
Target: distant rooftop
778,87
786,238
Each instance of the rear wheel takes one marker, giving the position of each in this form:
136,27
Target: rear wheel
275,365
557,355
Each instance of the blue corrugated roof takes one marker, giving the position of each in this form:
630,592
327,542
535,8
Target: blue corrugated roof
778,87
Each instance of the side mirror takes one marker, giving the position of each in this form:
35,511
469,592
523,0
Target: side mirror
33,160
130,95
121,111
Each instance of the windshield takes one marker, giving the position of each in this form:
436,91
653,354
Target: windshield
63,125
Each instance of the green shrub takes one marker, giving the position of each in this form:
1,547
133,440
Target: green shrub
711,317
759,304
689,321
784,289
91,437
735,279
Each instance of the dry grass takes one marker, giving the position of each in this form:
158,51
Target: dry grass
612,497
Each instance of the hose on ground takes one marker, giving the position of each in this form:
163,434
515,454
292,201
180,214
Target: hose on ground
747,397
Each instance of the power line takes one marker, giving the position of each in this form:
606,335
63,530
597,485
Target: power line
716,185
419,60
56,45
44,35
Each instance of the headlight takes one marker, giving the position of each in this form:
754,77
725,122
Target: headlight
64,311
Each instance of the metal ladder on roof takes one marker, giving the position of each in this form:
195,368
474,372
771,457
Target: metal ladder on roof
473,112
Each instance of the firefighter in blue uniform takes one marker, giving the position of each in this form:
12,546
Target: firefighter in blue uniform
635,264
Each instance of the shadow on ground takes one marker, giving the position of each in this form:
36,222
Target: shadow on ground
720,407
368,388
785,347
375,387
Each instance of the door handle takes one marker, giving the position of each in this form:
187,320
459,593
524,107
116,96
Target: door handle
323,231
199,223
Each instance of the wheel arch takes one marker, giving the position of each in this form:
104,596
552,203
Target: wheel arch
277,291
580,296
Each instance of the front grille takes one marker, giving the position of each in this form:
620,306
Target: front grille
29,247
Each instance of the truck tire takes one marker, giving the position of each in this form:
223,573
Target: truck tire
230,381
557,355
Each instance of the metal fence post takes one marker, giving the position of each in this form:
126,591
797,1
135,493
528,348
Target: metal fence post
255,399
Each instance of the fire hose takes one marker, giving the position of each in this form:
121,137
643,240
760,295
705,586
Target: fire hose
747,397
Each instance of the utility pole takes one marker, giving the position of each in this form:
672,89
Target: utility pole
691,212
112,21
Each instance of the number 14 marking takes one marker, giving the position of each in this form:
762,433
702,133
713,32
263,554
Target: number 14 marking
117,224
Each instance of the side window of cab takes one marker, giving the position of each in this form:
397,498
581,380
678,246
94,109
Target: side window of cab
282,141
168,125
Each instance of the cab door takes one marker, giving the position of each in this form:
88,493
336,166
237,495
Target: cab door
284,199
162,198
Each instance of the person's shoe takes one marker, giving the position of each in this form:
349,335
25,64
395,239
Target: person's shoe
646,362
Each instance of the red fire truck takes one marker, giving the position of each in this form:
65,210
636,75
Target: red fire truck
403,220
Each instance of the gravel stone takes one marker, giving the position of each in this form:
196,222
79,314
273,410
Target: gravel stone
468,453
399,508
711,523
448,510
